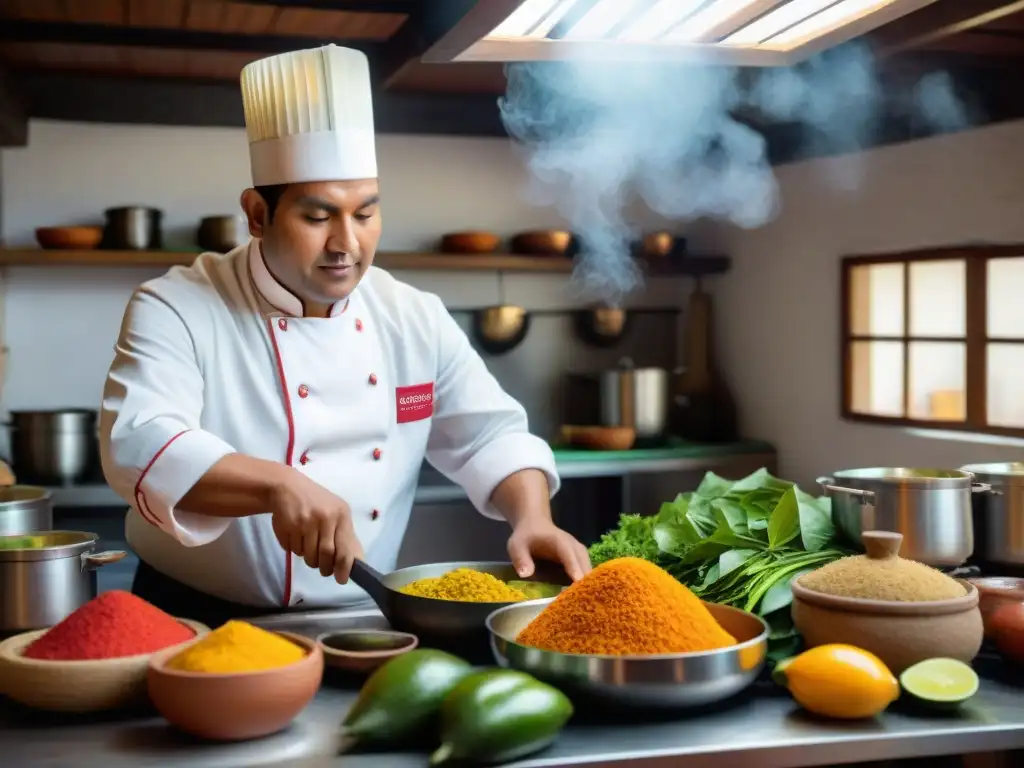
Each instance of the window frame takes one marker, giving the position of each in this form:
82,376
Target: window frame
975,338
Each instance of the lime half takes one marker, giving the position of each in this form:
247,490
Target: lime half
940,682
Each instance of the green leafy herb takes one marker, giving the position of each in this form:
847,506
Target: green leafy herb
735,542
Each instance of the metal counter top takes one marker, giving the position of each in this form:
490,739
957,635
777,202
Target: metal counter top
761,729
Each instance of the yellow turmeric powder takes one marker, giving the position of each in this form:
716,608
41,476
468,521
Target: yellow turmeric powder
626,607
237,647
465,585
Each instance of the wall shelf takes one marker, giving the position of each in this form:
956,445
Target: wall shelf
37,257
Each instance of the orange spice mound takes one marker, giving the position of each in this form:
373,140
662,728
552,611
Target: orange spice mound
626,607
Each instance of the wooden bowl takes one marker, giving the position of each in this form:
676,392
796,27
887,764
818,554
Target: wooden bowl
238,706
600,438
363,650
470,242
996,591
77,686
900,634
69,238
544,243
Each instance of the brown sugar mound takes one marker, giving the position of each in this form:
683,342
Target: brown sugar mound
626,607
892,579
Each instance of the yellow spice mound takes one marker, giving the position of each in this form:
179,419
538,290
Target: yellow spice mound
237,647
891,579
626,607
465,585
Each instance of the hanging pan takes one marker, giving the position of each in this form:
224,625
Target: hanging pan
602,326
501,328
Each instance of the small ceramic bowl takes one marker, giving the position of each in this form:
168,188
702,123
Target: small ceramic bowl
996,591
900,634
69,238
363,650
77,686
234,707
470,242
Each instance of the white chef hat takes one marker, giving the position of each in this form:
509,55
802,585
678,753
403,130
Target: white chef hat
309,116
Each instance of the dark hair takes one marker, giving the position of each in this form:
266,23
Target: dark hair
271,195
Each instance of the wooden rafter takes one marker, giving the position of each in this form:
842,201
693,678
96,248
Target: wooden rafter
155,37
353,6
940,21
13,112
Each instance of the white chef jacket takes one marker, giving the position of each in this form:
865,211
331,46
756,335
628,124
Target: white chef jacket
217,358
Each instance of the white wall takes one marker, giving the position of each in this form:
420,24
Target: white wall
778,313
60,323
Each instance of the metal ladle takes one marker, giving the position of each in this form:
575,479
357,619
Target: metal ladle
501,328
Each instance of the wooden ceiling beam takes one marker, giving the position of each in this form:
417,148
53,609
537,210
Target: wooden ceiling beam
151,37
13,112
939,21
352,6
171,101
424,27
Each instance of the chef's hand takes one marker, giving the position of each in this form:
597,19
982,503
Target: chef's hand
312,522
543,539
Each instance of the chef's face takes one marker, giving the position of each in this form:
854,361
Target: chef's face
320,239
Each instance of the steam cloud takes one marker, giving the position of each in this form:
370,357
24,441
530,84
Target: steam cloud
599,136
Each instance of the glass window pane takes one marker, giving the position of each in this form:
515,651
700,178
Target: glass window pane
876,300
938,381
1005,396
938,298
1005,289
876,378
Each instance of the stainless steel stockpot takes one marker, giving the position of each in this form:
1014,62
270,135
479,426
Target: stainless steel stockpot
46,575
930,507
999,515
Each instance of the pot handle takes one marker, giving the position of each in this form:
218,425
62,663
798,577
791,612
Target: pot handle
984,488
863,497
93,560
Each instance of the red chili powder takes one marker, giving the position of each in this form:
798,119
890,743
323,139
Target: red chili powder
112,625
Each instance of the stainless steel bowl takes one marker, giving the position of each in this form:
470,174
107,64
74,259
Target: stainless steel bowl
679,680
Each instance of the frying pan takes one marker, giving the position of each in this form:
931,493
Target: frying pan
442,623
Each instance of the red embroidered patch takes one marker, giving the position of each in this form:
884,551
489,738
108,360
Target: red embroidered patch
415,403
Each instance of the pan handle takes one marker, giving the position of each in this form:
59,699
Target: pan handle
371,580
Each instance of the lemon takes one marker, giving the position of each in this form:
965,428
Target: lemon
839,681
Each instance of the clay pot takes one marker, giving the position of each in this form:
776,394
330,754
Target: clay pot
996,591
899,633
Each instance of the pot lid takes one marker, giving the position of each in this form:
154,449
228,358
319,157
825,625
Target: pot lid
45,545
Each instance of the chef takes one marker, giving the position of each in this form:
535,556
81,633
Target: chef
268,410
